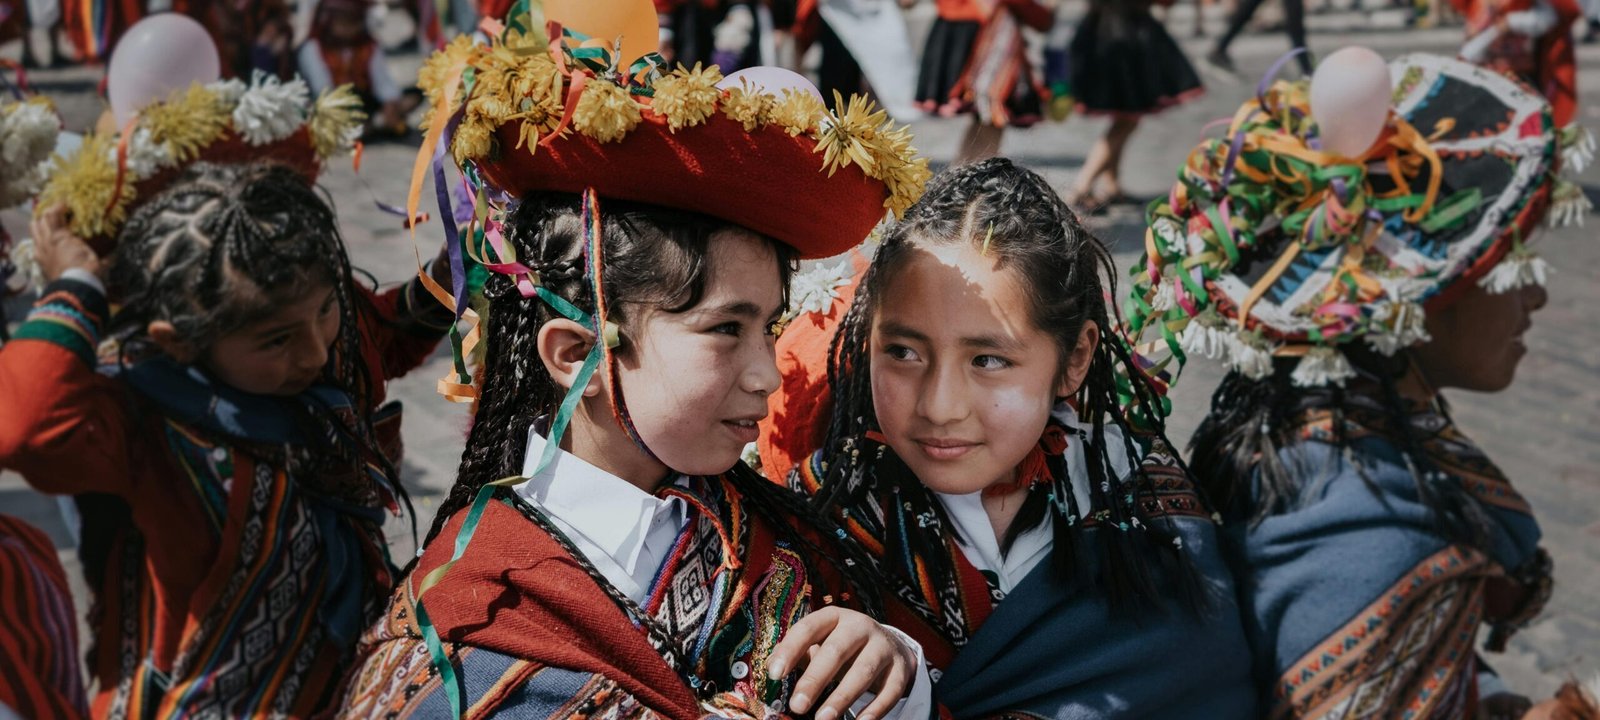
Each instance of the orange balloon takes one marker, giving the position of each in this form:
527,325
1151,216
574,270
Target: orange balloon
632,20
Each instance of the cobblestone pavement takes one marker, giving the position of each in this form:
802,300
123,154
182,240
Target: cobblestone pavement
1544,431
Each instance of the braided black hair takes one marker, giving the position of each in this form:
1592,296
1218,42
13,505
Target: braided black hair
653,256
220,248
1247,442
1067,275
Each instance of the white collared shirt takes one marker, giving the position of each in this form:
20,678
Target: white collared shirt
976,532
627,533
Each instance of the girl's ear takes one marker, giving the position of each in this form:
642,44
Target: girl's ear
1077,365
563,346
165,336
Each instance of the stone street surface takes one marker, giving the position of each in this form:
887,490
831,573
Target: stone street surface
1544,431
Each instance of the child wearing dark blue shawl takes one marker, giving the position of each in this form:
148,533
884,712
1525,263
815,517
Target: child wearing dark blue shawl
1048,551
1371,539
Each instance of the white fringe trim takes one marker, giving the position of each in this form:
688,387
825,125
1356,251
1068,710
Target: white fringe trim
1165,297
1250,356
1520,269
1204,336
1322,366
1568,205
1577,149
1403,325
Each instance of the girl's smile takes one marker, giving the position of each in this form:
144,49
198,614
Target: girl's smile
962,379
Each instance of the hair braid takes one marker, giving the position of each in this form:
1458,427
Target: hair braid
653,256
1067,276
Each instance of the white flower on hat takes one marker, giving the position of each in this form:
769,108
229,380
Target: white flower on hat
1204,336
271,110
27,264
1169,234
817,288
1166,296
1568,205
1250,355
27,137
229,91
1577,149
1520,268
1397,326
145,156
1322,366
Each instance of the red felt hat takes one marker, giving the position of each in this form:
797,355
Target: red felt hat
525,114
111,175
763,180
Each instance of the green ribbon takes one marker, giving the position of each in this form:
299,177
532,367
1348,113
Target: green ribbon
469,527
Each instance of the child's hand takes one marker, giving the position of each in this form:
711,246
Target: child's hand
57,249
850,649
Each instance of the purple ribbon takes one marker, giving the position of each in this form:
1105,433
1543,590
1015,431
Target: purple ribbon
447,214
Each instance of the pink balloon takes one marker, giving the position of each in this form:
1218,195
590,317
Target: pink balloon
1350,97
770,80
159,54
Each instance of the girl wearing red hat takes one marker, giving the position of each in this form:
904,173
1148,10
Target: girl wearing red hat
603,550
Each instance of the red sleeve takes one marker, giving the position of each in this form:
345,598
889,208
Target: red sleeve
65,427
796,424
400,328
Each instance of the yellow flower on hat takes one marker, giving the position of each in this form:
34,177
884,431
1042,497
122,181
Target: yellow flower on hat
188,122
747,106
847,138
798,112
86,183
687,98
336,121
435,72
605,112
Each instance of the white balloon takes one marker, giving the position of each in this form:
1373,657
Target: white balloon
157,55
1350,98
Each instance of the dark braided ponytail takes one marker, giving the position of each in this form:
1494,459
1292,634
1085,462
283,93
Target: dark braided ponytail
228,245
653,256
1252,432
1067,276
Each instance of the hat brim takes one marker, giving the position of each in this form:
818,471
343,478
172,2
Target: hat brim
763,180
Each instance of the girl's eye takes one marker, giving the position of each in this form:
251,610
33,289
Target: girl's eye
991,362
276,342
902,353
728,328
327,309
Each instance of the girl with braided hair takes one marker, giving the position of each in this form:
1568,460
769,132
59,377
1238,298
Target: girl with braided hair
230,450
1372,538
977,450
604,552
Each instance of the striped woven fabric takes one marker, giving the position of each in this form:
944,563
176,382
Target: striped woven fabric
39,670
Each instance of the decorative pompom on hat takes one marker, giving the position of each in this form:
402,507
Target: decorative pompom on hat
28,133
1269,247
227,121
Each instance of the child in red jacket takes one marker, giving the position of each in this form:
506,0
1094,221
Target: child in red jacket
231,454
